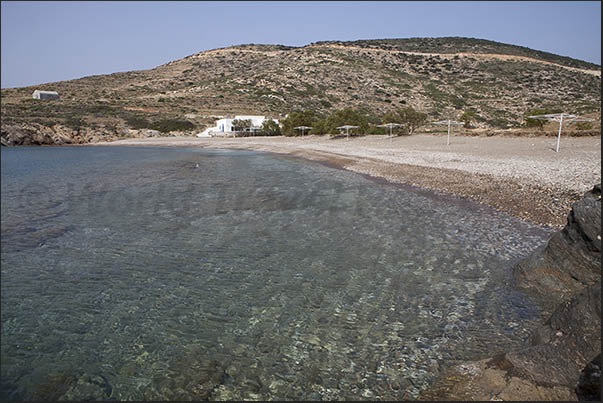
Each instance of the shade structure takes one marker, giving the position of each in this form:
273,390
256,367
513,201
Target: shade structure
560,117
303,129
450,124
347,129
391,126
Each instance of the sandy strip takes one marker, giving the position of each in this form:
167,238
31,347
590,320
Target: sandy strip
522,176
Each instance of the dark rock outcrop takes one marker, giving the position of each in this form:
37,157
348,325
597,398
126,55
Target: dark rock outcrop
31,134
34,134
570,261
589,386
563,361
564,345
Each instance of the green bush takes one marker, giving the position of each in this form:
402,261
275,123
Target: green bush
239,125
538,122
584,125
271,128
137,122
170,125
347,116
410,120
467,117
75,123
299,118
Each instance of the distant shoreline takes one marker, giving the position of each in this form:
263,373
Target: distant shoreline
523,177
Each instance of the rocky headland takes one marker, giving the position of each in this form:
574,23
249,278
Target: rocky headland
35,134
563,360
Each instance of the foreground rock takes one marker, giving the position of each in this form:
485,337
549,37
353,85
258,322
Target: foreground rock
563,361
570,261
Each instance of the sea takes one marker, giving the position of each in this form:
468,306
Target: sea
166,273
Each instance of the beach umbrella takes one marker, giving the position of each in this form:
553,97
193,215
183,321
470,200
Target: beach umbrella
450,123
560,117
302,128
347,130
390,125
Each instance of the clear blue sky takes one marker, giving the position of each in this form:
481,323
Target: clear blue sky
52,41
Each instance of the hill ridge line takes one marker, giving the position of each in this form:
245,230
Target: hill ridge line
466,54
490,56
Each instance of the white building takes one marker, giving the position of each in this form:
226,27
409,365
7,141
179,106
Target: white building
37,94
224,127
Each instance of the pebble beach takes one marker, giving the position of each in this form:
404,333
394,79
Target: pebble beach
522,176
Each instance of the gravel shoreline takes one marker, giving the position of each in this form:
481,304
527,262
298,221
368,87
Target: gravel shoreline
522,176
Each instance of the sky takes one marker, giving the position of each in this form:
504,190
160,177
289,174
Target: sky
44,42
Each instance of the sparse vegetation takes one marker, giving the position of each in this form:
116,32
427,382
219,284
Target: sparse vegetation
172,125
467,117
539,123
370,77
137,122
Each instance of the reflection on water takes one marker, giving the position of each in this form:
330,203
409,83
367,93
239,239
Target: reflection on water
163,273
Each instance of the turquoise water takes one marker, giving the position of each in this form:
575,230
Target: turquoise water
170,273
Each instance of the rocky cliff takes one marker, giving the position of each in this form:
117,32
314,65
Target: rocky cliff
563,360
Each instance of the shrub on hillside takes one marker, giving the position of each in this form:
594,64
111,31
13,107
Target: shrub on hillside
171,125
584,125
538,122
137,122
467,117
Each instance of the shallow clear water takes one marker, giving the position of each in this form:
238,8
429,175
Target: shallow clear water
165,273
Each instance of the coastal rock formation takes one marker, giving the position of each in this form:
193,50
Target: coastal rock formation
27,134
570,261
563,361
33,134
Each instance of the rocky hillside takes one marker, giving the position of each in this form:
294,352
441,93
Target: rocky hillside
438,76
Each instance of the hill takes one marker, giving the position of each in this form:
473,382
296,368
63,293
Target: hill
442,77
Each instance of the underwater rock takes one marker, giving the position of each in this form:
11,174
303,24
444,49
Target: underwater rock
89,387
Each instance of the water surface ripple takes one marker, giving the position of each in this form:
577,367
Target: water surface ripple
165,273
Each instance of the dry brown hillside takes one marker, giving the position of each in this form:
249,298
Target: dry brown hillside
438,77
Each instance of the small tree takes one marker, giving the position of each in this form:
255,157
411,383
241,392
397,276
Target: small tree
295,119
347,116
410,119
239,125
271,128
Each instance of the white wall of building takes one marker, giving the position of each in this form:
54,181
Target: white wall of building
225,125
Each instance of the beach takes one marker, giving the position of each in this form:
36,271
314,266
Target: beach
522,176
